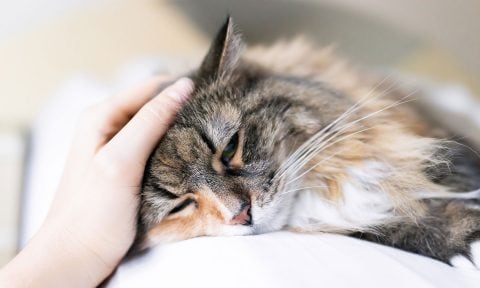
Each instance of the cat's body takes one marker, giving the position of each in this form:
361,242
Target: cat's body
289,137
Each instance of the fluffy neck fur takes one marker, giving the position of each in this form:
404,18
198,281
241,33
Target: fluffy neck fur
368,168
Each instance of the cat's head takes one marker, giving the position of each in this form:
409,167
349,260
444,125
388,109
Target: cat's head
215,172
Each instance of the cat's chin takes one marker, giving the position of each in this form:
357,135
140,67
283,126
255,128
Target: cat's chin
274,216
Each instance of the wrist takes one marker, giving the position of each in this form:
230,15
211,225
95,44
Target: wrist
55,258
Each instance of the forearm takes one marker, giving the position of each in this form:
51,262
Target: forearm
54,259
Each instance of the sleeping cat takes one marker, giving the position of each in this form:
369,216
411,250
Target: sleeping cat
288,137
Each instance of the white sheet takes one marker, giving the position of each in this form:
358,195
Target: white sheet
285,259
277,260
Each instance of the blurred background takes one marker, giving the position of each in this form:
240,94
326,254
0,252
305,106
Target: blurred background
47,43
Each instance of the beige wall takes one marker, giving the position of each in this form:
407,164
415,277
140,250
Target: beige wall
46,41
453,25
94,39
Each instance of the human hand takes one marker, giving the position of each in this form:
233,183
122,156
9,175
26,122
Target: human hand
92,221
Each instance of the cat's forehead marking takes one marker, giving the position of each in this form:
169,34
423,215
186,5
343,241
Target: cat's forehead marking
224,121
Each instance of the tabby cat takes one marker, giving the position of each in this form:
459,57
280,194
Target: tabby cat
289,137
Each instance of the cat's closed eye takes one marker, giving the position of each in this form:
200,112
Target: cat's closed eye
182,206
230,150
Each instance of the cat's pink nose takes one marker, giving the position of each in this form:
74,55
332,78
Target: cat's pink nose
242,218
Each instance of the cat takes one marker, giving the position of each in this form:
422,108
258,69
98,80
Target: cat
290,137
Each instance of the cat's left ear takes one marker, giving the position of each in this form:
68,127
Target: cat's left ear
223,55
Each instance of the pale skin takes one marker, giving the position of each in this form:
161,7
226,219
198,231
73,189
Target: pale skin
91,223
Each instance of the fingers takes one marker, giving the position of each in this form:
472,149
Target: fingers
110,115
101,122
137,139
129,102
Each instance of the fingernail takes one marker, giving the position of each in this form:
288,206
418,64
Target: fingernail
181,89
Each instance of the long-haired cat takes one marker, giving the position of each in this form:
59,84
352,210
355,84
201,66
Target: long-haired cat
288,137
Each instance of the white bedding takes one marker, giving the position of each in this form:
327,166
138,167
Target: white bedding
280,259
286,259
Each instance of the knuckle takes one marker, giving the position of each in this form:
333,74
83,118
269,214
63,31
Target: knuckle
166,101
158,113
95,117
109,166
89,117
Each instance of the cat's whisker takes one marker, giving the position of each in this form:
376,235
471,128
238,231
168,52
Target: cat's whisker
315,149
312,150
303,188
331,156
304,148
475,194
346,126
392,105
299,177
362,102
395,104
463,145
308,146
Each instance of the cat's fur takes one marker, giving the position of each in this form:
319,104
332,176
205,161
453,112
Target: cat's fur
321,147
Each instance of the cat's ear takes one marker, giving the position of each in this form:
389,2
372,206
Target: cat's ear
223,55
